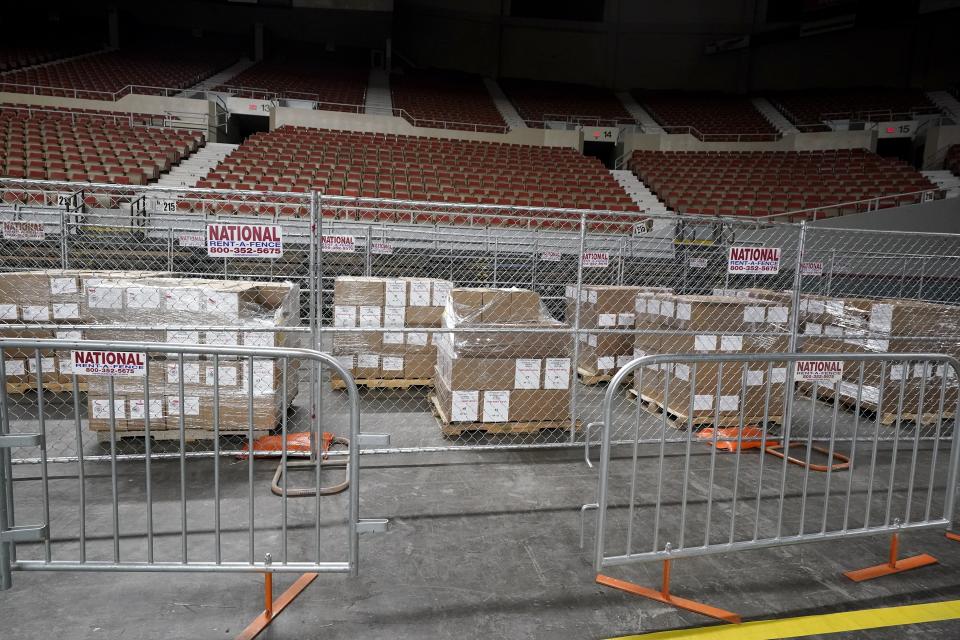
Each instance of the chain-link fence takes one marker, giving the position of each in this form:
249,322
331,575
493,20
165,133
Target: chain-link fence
471,325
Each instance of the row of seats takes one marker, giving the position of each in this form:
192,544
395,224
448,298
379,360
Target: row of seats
762,183
14,56
543,101
447,101
717,118
808,109
82,146
108,73
339,88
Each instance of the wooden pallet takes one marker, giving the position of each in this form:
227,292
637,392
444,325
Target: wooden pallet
870,409
383,383
190,435
449,428
592,379
56,387
679,420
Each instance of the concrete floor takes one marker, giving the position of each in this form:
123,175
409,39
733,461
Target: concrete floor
481,545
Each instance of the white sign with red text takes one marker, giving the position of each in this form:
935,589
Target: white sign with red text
109,363
753,260
595,259
819,370
550,256
381,248
191,240
811,268
23,231
244,240
338,244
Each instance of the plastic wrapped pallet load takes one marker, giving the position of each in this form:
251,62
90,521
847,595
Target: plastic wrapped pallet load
495,379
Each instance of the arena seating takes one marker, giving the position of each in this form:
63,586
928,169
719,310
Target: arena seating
537,102
336,87
447,101
808,109
14,56
150,71
359,165
86,145
952,161
762,183
712,117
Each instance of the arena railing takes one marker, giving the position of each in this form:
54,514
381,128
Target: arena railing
860,206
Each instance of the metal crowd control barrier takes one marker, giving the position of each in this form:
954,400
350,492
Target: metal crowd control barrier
666,504
171,514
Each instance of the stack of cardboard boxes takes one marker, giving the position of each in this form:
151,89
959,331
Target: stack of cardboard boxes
97,305
379,309
489,374
712,325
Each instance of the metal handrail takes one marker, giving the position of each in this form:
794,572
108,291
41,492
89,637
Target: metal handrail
872,200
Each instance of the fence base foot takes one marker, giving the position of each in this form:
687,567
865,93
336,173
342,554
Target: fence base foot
667,598
893,565
275,607
953,536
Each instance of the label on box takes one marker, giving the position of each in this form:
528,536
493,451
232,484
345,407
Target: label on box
754,314
14,367
184,299
143,298
526,373
819,370
683,311
370,317
338,244
191,373
607,320
626,319
393,317
814,268
833,330
193,240
595,259
74,334
753,260
419,293
417,338
190,404
36,312
65,310
18,230
682,371
109,363
729,403
464,406
583,295
345,361
622,361
221,302
392,363
881,318
47,365
815,306
249,240
556,374
950,371
368,361
344,316
922,370
701,403
496,406
381,248
896,372
653,306
395,293
705,343
222,338
263,377
640,305
606,362
755,378
592,339
441,290
137,405
666,308
60,286
731,343
226,373
258,338
550,256
698,263
592,296
104,298
392,337
183,337
813,329
8,312
778,315
100,409
778,375
570,292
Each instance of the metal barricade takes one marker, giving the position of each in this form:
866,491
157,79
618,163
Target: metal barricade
180,511
667,500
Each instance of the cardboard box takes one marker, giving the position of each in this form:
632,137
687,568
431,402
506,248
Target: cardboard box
358,290
419,366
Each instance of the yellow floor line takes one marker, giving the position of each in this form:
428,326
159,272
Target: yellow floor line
815,625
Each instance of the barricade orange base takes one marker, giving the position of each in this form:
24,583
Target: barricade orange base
843,462
274,608
953,536
664,596
893,565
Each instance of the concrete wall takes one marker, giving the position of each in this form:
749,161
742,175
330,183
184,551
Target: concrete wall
939,139
129,103
939,216
280,116
796,142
